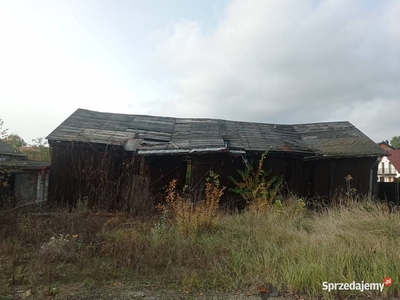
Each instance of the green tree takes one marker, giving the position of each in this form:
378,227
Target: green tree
395,142
38,151
3,132
256,188
15,141
4,173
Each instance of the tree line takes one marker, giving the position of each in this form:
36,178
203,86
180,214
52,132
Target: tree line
38,150
395,142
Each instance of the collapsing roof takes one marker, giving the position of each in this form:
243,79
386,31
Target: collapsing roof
158,135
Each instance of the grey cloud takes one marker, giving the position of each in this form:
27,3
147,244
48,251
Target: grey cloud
287,62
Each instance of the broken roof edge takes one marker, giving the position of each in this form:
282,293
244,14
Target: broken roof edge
294,137
54,136
7,150
15,154
25,164
146,152
336,156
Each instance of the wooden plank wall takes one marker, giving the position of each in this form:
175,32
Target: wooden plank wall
330,175
103,176
389,191
320,178
110,178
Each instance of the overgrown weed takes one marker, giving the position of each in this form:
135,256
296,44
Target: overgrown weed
286,245
189,216
256,187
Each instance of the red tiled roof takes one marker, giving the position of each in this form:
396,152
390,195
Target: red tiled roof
394,158
385,146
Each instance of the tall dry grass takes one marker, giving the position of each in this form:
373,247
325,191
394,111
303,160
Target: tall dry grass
191,216
292,248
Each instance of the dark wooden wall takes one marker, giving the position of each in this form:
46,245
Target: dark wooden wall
294,171
320,178
389,191
111,178
330,174
88,173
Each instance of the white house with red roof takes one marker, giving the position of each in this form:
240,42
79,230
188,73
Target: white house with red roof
389,166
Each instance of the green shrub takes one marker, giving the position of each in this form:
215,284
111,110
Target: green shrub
255,187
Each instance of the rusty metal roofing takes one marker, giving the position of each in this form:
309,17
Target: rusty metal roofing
157,135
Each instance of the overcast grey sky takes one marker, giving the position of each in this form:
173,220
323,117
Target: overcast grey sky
273,61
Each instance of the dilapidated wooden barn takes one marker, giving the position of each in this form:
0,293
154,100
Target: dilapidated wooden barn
120,161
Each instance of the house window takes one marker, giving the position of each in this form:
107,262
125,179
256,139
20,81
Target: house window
390,168
383,168
381,179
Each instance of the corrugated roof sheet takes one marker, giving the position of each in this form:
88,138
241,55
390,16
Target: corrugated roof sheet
151,134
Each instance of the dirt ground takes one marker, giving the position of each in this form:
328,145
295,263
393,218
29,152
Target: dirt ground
146,292
126,292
